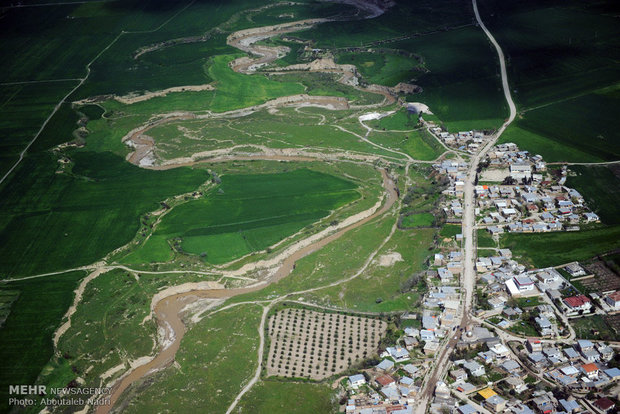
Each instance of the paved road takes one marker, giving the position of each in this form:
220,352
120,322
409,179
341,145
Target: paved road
468,279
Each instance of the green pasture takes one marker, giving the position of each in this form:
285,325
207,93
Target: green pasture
462,86
418,220
23,109
381,68
284,129
600,186
403,18
384,288
485,239
586,127
26,335
401,120
551,150
216,359
556,49
552,249
247,213
419,144
59,221
279,397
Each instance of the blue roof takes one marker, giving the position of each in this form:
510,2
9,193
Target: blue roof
385,364
612,372
569,405
467,409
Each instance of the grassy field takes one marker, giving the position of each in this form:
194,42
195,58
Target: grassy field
247,213
284,129
385,288
551,249
277,397
401,120
419,144
462,87
26,335
23,108
47,216
563,75
485,239
538,144
584,326
217,357
403,18
601,188
450,230
381,68
418,220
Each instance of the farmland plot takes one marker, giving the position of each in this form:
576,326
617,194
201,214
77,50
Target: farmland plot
318,345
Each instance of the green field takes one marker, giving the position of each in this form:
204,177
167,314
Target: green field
584,328
600,186
59,221
485,239
277,397
217,357
462,87
385,288
563,71
382,68
552,249
418,220
419,144
23,109
26,335
401,120
247,213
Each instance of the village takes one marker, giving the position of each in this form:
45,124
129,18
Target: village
524,352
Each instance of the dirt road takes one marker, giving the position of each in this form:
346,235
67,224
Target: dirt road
468,280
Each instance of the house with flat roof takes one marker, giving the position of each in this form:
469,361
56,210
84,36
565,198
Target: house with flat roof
613,300
357,380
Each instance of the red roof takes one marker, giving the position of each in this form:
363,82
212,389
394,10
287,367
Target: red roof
604,403
589,367
385,380
576,301
615,296
533,340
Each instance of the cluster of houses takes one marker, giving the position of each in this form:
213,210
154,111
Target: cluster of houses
498,379
455,171
387,388
528,200
470,141
581,367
